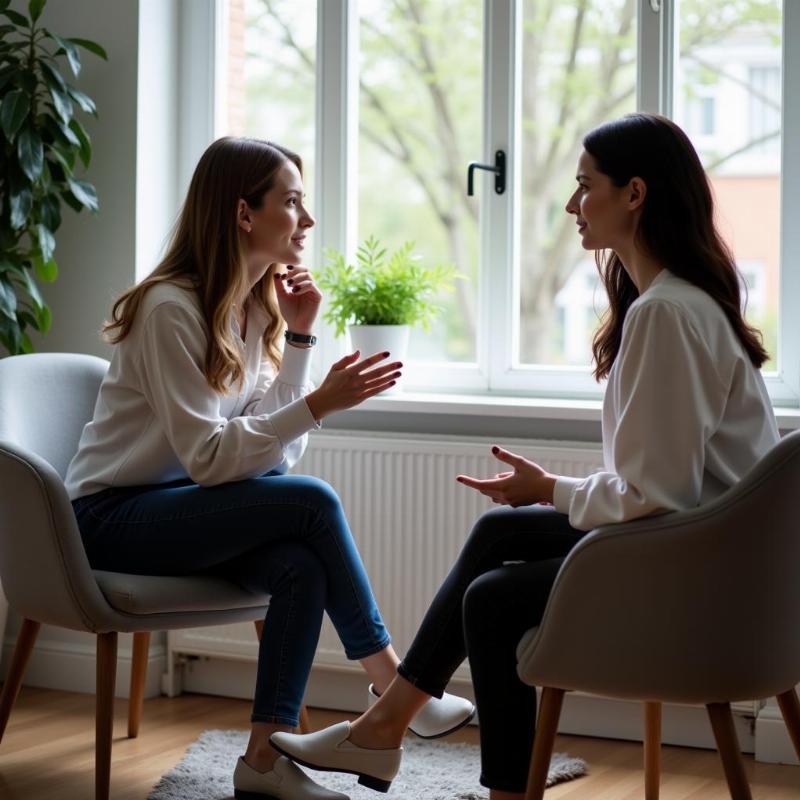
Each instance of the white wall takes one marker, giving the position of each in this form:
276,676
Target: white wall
96,254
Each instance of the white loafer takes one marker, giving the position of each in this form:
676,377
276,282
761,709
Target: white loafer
329,750
438,717
285,781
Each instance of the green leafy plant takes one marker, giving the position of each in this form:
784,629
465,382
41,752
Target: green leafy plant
41,142
381,290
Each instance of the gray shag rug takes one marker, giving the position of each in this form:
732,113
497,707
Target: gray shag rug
430,770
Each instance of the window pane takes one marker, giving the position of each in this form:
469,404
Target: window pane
271,75
730,56
579,70
420,123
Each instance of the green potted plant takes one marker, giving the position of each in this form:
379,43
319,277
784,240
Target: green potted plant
42,143
380,297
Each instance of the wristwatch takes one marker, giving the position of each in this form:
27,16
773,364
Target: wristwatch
300,338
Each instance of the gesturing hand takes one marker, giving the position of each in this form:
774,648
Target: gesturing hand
525,484
349,383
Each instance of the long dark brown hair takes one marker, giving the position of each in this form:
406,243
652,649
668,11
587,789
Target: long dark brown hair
676,227
205,252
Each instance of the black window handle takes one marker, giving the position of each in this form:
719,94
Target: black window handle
499,170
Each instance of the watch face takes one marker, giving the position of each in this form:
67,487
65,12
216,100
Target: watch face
302,338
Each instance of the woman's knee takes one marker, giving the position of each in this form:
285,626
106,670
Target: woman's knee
478,603
317,494
486,529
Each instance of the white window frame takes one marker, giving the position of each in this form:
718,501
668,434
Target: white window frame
496,373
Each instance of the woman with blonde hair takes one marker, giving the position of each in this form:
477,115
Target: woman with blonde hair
182,470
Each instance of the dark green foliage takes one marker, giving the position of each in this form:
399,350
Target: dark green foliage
397,290
41,141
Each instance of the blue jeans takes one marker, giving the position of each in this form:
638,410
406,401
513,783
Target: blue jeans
282,534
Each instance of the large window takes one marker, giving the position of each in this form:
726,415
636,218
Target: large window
404,93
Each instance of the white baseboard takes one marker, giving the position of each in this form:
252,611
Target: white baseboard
584,715
773,745
70,666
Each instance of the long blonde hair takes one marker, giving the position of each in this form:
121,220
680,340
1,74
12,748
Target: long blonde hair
206,251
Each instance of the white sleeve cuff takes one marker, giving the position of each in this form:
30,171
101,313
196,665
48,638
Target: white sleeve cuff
296,366
563,491
292,421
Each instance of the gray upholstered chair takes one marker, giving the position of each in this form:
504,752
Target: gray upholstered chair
45,401
701,606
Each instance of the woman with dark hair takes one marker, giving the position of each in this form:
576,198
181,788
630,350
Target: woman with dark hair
182,470
686,414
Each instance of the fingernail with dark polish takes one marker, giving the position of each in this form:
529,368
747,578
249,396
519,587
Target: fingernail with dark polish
288,267
296,289
495,450
386,355
290,281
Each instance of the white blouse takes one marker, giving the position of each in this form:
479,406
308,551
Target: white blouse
685,413
157,419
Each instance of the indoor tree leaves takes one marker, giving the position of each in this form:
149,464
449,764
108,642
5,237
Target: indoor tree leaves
44,147
30,153
14,109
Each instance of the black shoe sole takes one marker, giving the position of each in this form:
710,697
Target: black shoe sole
370,781
452,730
241,794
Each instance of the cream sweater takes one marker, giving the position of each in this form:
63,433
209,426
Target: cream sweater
156,418
685,413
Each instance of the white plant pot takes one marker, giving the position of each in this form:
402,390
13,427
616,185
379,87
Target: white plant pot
371,339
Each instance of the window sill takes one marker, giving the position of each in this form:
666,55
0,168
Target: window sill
473,405
506,407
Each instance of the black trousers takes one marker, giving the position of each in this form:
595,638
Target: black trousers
481,611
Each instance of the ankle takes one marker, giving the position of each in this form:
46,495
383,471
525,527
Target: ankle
376,733
261,758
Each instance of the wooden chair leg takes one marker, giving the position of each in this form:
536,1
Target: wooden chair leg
729,750
141,650
546,727
104,717
790,708
305,722
652,750
16,670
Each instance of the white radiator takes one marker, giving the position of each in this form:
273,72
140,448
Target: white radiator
408,516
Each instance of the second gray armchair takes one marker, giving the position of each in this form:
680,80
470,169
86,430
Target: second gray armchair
701,606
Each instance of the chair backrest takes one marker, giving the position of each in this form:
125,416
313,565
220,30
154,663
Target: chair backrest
45,401
695,606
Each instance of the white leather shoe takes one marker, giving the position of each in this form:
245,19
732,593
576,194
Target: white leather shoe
438,717
285,781
330,750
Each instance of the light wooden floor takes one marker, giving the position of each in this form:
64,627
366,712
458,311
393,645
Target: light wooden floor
48,752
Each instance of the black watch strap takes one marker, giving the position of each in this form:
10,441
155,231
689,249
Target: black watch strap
300,338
